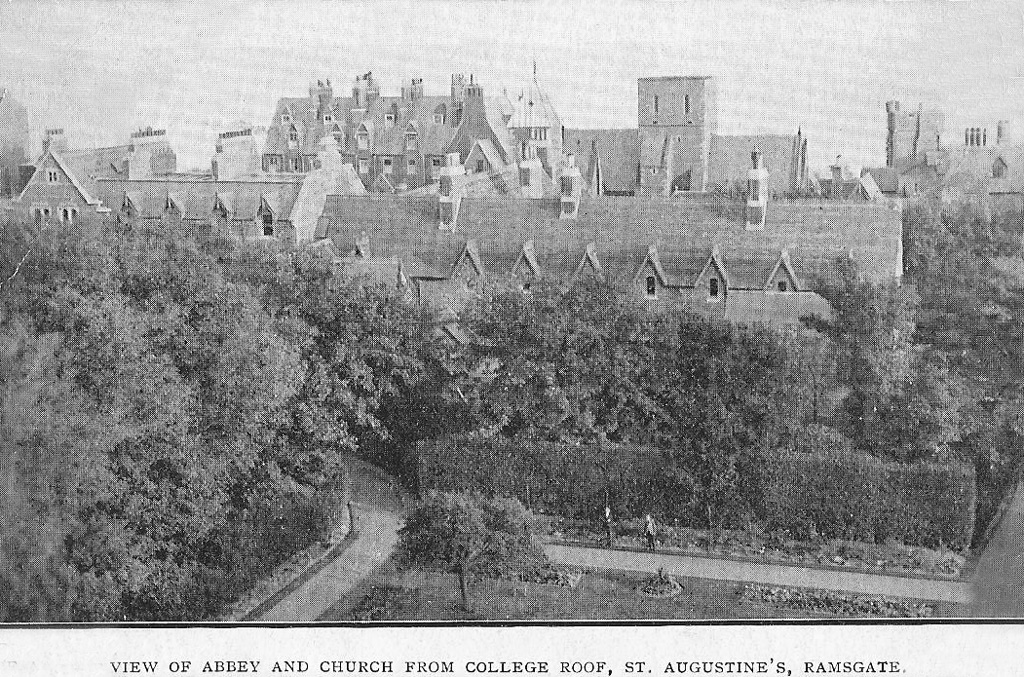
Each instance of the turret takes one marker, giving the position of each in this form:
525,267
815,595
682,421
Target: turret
414,91
365,91
757,193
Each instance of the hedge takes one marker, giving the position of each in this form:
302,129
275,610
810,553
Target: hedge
831,493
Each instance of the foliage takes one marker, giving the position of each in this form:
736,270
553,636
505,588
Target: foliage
468,534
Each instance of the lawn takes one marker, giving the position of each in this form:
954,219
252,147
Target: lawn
602,595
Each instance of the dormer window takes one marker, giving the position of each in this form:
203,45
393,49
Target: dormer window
389,119
328,117
410,140
293,135
52,175
339,138
446,186
783,286
363,141
285,118
387,165
524,176
652,286
438,118
713,289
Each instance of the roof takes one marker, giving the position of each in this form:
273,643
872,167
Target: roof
195,198
886,178
815,233
91,164
616,151
533,108
781,308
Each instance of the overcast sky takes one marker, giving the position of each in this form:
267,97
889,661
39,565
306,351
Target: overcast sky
101,69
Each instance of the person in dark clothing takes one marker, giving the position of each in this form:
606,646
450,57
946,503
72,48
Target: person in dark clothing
650,531
608,523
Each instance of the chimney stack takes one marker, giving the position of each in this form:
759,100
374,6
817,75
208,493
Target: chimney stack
757,189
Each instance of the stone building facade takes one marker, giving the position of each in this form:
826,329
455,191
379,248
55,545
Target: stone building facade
677,148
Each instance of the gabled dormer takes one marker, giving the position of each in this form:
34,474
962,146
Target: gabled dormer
286,115
266,214
712,283
782,277
440,115
363,136
293,134
338,133
651,276
223,205
128,205
174,204
468,267
589,264
411,137
526,268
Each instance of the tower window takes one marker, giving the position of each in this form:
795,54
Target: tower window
652,286
713,288
686,104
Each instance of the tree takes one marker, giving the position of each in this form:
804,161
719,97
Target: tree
467,535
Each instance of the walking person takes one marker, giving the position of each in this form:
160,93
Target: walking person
650,530
608,523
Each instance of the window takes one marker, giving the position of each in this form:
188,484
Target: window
65,215
389,119
52,176
297,164
364,166
713,288
38,215
293,136
412,168
328,117
438,118
274,160
268,223
686,104
386,163
999,169
480,165
363,141
524,176
566,185
754,190
410,142
446,186
655,104
285,118
783,286
652,286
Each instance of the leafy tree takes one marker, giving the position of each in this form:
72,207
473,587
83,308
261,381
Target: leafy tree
469,535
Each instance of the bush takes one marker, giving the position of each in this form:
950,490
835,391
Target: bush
820,488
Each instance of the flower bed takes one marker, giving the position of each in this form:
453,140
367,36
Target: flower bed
893,558
834,603
660,586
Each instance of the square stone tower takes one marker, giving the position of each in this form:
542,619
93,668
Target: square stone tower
677,117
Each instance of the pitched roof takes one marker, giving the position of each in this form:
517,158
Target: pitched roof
815,233
195,197
533,108
616,151
779,308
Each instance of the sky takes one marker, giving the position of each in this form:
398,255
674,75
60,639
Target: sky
101,69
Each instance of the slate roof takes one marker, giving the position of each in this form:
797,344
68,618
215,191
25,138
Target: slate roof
745,307
815,233
617,151
196,197
91,164
533,108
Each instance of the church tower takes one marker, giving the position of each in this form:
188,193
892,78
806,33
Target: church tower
677,117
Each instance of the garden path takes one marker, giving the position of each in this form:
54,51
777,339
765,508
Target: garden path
756,572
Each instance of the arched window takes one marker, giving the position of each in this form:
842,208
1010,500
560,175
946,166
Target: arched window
293,134
999,168
713,288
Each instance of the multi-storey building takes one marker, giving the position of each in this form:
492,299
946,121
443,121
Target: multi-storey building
676,147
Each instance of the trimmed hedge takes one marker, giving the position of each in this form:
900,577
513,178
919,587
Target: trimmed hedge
830,493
